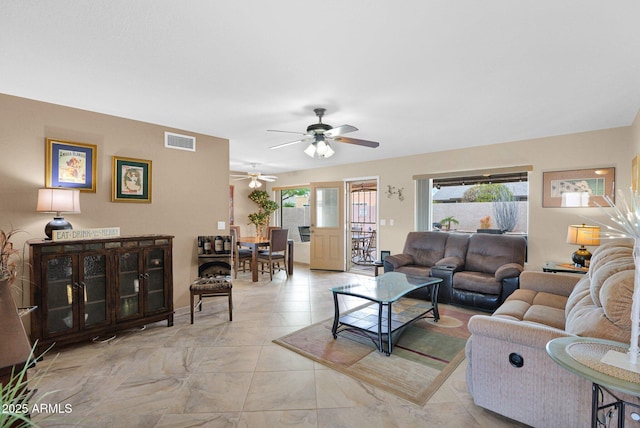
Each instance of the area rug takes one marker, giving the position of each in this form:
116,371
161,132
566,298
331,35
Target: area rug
423,357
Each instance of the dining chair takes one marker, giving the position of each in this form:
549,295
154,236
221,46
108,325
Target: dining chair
370,248
276,254
241,256
305,233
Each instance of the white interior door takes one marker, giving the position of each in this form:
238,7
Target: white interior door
327,226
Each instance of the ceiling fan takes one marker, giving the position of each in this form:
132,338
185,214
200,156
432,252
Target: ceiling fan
255,177
319,135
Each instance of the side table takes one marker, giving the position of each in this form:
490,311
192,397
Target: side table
377,264
581,356
557,267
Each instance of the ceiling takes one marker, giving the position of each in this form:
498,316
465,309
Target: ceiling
418,76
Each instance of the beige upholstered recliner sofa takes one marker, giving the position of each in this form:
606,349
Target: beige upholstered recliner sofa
549,305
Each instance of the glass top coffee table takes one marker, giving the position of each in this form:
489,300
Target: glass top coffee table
384,290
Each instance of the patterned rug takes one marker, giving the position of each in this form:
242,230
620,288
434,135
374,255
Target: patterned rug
423,357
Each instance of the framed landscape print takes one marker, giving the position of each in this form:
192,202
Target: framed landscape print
70,165
578,188
131,181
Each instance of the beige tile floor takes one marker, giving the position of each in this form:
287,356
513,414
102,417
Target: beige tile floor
217,373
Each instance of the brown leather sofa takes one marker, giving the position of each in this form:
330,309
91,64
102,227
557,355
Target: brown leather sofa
477,270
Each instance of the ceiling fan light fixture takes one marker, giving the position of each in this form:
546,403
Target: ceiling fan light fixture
254,183
329,152
321,148
311,150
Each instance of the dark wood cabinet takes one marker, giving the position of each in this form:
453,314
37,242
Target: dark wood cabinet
93,288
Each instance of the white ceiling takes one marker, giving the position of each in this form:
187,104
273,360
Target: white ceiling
416,75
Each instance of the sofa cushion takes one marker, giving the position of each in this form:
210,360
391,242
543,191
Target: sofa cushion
532,306
457,245
488,252
614,260
425,247
479,282
615,295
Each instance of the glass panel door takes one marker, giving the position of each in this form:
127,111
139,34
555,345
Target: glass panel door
94,284
154,277
327,226
60,294
129,281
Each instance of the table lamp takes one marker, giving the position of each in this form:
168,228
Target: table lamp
58,201
582,235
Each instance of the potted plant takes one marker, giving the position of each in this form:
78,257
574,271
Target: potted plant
446,222
266,207
8,256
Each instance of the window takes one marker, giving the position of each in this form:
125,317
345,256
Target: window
478,201
294,212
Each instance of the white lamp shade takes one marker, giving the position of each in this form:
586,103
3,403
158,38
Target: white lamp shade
58,201
583,235
311,150
329,152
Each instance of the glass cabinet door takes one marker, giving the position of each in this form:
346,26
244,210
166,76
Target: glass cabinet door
94,289
129,281
60,294
154,276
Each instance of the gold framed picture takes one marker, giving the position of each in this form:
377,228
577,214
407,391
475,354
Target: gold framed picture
70,165
131,180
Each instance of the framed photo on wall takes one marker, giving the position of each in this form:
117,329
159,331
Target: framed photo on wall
131,180
578,188
70,165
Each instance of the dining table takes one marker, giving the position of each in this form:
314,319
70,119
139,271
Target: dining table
255,243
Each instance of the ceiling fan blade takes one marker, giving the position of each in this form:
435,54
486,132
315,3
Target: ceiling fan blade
238,175
267,177
239,179
287,132
356,141
289,143
340,130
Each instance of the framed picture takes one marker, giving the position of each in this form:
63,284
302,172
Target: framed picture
578,188
70,165
131,181
384,254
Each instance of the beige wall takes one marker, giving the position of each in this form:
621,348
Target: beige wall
189,193
548,226
636,134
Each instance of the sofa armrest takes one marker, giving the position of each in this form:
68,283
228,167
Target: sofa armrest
453,263
514,331
399,260
554,283
445,292
509,270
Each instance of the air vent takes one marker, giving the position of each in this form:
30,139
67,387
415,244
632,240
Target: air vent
180,142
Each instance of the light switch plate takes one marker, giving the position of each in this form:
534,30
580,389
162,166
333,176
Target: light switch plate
221,225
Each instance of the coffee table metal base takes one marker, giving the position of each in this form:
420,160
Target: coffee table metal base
379,321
